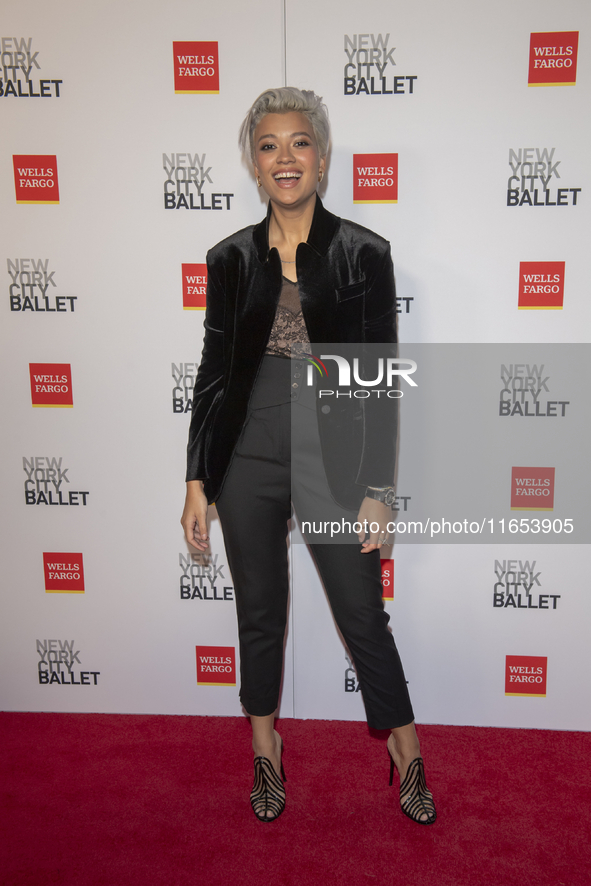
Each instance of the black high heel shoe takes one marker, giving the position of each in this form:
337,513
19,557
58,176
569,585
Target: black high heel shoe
418,800
267,797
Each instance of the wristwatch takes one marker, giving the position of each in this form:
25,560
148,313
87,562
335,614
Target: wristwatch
384,494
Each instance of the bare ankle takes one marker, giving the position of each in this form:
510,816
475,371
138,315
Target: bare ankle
404,747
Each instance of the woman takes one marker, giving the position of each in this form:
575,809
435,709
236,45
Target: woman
301,275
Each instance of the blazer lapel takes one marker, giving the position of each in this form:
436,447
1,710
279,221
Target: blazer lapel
315,277
257,295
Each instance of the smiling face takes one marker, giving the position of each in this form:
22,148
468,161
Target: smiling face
286,158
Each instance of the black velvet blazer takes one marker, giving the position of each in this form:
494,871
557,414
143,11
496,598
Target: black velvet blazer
346,285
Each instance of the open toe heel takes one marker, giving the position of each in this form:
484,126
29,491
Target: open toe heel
416,800
267,797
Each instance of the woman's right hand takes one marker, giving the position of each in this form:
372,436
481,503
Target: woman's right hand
194,519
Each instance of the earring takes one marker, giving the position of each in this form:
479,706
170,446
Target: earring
259,182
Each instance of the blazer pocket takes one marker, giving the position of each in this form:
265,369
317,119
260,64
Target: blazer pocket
354,290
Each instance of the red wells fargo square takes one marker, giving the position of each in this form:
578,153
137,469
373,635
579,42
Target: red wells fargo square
553,58
64,573
541,285
375,178
216,665
194,287
51,384
35,178
532,489
196,67
526,675
387,579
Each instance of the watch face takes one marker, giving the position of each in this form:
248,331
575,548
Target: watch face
390,498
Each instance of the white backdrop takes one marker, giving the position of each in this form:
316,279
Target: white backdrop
112,245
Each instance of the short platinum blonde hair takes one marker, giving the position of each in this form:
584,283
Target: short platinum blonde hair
281,101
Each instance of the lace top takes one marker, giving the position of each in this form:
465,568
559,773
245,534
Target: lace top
288,326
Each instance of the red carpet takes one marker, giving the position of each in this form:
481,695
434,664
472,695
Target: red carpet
163,801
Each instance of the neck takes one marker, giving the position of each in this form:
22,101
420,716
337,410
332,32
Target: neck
289,227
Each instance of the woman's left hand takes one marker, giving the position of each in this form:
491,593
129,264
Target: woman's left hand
378,514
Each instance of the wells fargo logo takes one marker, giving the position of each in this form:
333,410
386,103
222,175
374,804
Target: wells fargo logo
541,285
194,287
532,489
64,573
216,665
553,58
51,384
35,178
375,178
526,675
387,579
196,67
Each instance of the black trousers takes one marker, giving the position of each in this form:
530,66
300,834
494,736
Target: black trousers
254,508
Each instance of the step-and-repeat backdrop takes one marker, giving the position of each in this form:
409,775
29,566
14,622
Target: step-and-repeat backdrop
460,132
